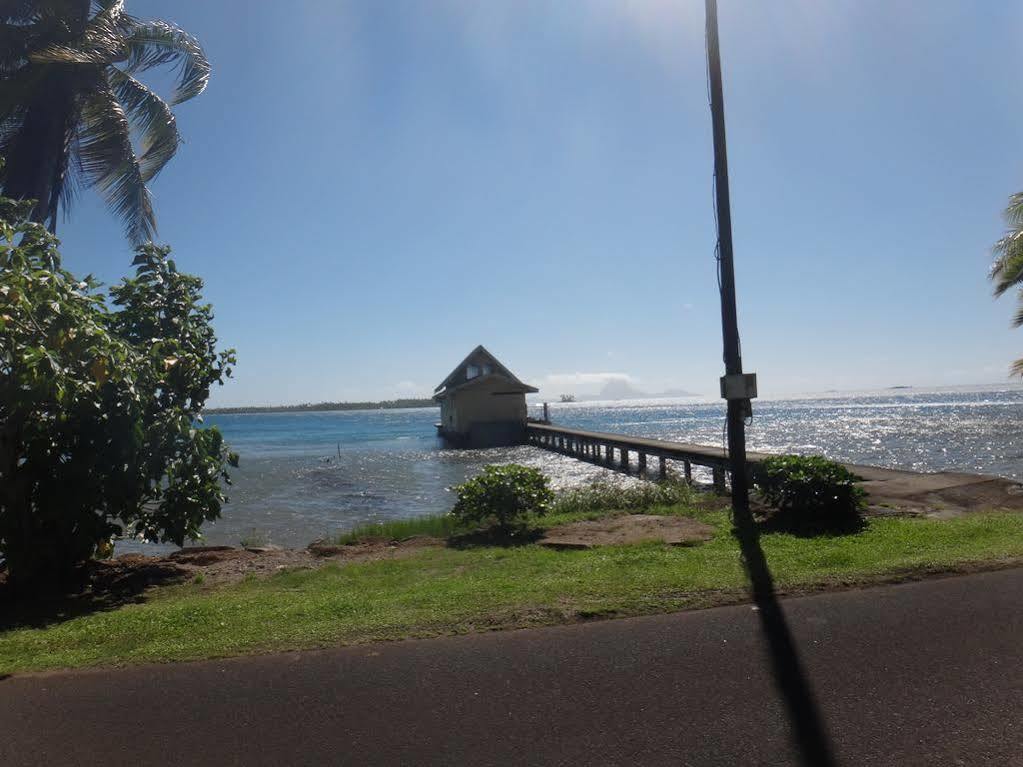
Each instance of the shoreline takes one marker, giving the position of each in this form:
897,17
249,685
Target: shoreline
324,407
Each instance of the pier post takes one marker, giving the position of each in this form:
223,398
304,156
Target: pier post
642,463
663,470
625,459
719,479
689,472
609,453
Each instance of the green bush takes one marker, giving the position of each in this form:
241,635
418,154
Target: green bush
503,498
602,495
810,490
99,402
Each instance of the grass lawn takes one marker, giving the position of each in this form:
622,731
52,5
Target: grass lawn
450,590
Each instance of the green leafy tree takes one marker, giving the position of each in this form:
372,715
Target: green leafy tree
503,498
1007,270
73,111
99,405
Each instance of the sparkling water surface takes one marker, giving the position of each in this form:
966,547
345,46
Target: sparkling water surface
306,475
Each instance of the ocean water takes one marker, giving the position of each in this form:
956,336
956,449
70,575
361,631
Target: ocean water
306,475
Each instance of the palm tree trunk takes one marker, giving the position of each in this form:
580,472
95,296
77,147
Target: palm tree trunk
38,161
37,166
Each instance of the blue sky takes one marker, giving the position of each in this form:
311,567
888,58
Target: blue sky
372,188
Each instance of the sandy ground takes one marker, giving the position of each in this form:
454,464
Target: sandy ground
628,528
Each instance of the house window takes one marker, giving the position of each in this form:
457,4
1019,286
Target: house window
487,370
471,371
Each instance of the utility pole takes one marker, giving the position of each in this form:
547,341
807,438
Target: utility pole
736,387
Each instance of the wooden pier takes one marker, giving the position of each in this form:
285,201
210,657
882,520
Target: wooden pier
894,490
615,451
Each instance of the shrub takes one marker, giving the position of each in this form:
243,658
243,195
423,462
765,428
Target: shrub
503,498
810,490
99,404
602,495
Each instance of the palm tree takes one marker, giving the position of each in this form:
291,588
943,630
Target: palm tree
71,104
1007,270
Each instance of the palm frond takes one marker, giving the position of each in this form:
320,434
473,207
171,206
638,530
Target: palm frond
109,163
151,117
19,11
156,43
1007,269
102,41
72,177
1013,213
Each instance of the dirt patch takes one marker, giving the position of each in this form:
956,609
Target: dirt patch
372,548
631,528
125,577
224,564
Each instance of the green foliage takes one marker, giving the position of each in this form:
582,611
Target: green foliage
1007,269
503,498
810,490
98,407
434,526
602,495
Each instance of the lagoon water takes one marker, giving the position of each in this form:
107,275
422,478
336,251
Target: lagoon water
306,475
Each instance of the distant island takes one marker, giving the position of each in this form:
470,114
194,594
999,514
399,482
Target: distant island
390,404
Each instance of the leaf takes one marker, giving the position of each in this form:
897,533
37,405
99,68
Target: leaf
152,118
99,371
102,41
109,162
158,43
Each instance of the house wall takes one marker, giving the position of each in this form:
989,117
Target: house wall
480,415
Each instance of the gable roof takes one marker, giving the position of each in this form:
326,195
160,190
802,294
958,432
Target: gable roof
480,356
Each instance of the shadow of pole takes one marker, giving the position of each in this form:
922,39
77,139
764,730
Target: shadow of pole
789,675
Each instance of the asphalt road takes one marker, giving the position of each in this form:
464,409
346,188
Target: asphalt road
926,673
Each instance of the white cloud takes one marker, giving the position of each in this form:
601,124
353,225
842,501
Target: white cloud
406,388
587,379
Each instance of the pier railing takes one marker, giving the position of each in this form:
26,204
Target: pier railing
615,451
